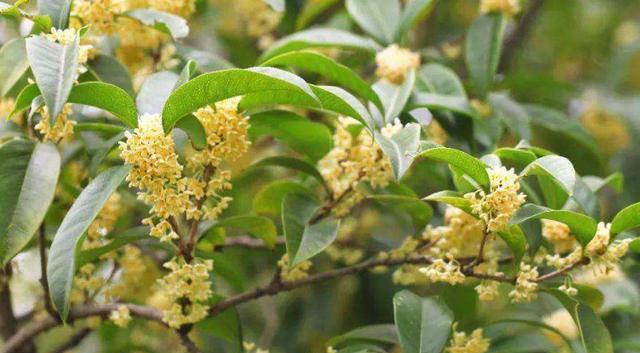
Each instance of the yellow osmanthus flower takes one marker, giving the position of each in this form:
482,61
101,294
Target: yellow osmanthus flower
295,273
100,15
138,275
483,108
563,322
351,161
121,317
259,17
503,200
85,283
444,271
488,290
182,8
393,63
436,133
610,132
508,7
463,343
187,288
461,235
603,254
62,128
559,235
526,287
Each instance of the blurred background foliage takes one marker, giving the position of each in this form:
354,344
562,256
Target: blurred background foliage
581,57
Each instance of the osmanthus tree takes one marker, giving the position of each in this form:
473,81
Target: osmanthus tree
124,188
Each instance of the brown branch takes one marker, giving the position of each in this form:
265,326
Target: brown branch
8,322
28,332
75,340
520,33
44,282
246,241
564,270
183,333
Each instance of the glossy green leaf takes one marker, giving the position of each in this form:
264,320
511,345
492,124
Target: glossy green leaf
55,67
193,127
292,163
437,101
268,201
25,97
127,237
594,335
28,177
57,10
61,266
108,69
515,156
320,38
299,133
102,150
582,227
155,91
423,324
323,65
395,97
305,240
175,26
452,198
13,64
401,148
482,49
468,164
419,211
514,116
108,97
539,324
516,240
414,11
379,18
216,86
556,167
260,227
439,79
101,128
626,219
382,334
206,61
225,325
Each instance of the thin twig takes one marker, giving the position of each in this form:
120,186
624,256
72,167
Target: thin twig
564,270
43,271
183,332
246,241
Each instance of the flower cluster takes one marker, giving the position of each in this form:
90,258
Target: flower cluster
352,160
121,317
182,8
463,343
62,128
187,288
496,207
295,273
100,15
559,235
85,283
603,253
248,17
507,7
610,132
444,271
393,63
526,287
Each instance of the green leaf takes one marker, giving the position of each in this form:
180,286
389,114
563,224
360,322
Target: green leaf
216,86
260,227
539,324
175,26
468,164
57,10
295,164
437,101
323,65
268,201
395,97
13,64
28,177
108,69
401,148
439,79
378,18
305,240
55,67
67,242
626,219
419,211
423,324
515,156
516,240
556,167
594,335
382,334
514,116
127,237
193,127
206,61
299,133
108,97
101,128
188,71
414,12
102,150
25,97
225,325
320,38
452,198
155,91
582,227
482,49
